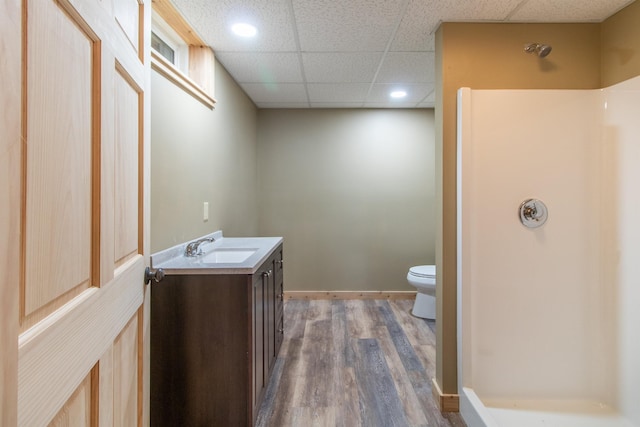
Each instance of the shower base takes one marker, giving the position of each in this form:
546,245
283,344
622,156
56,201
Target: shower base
537,413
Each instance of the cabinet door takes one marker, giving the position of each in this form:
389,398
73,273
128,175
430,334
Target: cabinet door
278,273
259,371
200,371
270,316
278,278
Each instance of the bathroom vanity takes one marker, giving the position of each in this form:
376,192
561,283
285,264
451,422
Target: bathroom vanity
216,329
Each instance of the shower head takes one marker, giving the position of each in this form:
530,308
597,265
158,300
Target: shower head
541,50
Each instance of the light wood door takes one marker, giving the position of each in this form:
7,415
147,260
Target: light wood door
73,207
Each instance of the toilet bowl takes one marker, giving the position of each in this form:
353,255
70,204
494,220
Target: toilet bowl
423,277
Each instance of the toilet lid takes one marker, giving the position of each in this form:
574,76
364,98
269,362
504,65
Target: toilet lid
423,271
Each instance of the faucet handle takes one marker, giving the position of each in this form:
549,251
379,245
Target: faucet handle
193,248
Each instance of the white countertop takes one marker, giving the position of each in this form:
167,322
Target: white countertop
173,261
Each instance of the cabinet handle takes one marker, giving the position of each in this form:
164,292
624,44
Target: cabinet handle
267,273
281,330
281,262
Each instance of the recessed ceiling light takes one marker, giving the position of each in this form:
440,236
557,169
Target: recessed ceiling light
398,94
244,30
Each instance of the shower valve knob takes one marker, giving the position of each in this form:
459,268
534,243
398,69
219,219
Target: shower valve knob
530,212
533,213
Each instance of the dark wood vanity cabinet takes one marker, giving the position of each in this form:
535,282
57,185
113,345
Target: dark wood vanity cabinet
214,342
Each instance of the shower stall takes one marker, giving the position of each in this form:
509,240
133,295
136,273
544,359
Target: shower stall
549,313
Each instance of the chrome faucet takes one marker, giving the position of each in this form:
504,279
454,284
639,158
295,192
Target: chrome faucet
193,248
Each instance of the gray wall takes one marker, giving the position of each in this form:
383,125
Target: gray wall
200,155
351,191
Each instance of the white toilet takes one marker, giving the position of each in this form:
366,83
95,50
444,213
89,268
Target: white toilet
423,277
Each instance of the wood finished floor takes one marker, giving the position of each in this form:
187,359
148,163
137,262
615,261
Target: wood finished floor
354,363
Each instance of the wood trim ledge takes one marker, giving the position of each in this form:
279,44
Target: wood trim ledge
171,16
165,68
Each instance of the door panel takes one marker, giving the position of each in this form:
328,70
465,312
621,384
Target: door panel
76,411
56,354
126,14
127,111
80,330
125,375
59,131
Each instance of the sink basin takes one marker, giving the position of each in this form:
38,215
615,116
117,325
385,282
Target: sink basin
228,255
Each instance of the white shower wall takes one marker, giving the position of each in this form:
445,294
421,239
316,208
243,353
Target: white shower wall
548,313
622,145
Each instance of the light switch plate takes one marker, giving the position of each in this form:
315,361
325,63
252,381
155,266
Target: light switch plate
205,211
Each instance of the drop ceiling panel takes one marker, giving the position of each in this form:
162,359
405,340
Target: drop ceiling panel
407,67
259,67
417,29
213,21
336,105
416,39
415,93
304,45
567,11
351,67
282,105
276,92
337,92
389,105
346,26
429,101
475,11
